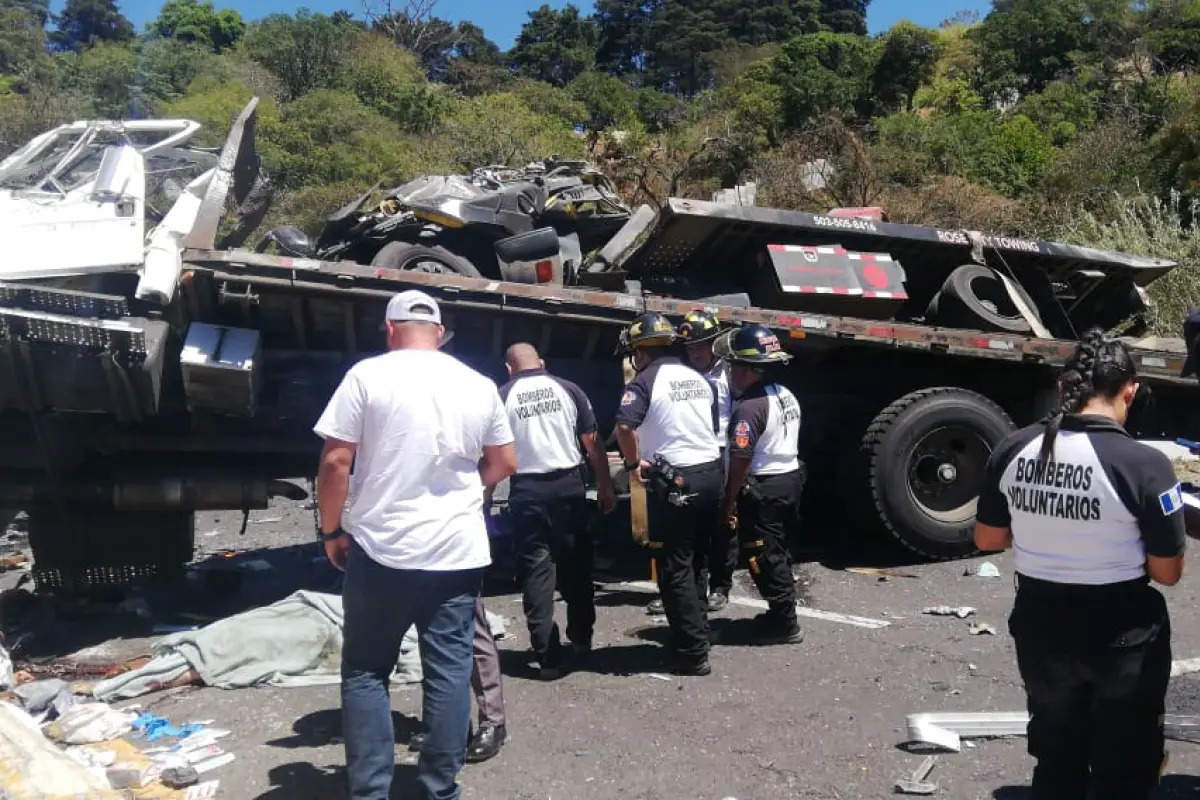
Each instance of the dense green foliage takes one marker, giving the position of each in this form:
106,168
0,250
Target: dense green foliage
1077,119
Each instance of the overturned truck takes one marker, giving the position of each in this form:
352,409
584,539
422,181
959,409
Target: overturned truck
175,374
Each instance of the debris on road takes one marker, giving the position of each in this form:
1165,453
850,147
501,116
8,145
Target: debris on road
978,628
90,723
946,730
883,572
986,570
32,767
15,561
962,612
915,784
7,679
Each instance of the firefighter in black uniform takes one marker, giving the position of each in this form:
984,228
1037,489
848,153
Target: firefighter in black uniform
1093,516
667,421
698,331
765,475
554,429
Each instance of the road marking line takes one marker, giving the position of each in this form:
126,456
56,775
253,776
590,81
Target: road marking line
802,611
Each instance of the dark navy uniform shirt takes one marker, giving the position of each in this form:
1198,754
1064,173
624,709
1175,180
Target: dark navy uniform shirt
1093,512
765,428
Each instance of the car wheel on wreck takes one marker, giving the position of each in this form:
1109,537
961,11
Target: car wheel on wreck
922,460
422,258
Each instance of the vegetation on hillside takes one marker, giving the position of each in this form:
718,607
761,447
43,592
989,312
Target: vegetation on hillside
1072,119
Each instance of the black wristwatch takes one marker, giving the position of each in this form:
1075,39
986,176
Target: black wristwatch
329,537
632,467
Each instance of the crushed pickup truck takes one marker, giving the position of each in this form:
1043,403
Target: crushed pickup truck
185,373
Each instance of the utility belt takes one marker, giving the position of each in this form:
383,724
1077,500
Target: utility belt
1037,588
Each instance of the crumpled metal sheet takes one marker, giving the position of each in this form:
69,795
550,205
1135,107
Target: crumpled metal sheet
946,730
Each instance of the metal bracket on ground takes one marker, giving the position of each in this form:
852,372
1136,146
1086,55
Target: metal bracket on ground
946,730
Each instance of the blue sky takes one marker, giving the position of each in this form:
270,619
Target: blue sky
502,19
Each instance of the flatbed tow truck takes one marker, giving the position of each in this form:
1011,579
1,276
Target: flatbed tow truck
124,410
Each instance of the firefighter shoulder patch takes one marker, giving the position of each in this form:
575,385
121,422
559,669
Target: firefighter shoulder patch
627,399
741,435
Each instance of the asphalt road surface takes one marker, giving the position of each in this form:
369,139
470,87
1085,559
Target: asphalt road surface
823,719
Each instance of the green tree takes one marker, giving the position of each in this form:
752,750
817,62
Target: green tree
1062,110
623,35
845,16
609,101
1172,34
107,74
22,38
500,129
391,82
686,34
84,23
908,55
823,72
555,46
198,22
1025,44
306,52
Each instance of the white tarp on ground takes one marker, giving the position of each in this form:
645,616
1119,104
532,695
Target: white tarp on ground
296,641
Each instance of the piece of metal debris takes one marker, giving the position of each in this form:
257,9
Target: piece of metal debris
946,730
962,612
915,783
883,572
978,628
657,677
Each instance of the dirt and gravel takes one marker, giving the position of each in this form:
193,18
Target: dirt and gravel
823,719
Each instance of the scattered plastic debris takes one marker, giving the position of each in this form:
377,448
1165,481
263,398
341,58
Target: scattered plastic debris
31,766
7,680
962,612
978,628
915,783
152,727
89,723
44,696
202,791
988,570
657,676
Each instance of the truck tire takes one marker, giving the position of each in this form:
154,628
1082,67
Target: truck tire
421,258
97,547
923,459
975,297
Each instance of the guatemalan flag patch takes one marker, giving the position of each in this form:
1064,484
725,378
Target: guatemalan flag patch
1171,500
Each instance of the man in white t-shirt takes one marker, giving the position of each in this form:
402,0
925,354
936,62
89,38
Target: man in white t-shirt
426,435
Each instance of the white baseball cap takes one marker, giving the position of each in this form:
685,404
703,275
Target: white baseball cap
413,306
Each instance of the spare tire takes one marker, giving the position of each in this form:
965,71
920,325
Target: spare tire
975,297
922,461
423,258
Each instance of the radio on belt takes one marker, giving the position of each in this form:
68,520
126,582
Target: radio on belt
829,279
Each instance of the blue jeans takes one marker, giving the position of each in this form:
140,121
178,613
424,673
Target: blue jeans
380,605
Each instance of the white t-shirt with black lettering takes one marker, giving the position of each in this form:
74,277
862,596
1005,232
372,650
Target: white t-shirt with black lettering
421,419
1091,513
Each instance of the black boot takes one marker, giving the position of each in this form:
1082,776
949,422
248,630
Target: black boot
486,743
778,626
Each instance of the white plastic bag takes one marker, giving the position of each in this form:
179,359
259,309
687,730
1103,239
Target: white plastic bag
89,723
6,670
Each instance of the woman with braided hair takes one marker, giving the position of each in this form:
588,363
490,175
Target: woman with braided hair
1093,516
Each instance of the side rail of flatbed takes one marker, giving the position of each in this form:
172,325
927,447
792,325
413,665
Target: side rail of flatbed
613,308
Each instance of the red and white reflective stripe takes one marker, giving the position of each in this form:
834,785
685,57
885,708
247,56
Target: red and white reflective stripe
994,344
887,295
824,290
800,248
870,257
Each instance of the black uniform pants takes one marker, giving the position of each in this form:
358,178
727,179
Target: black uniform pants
677,535
554,550
767,509
722,555
1095,661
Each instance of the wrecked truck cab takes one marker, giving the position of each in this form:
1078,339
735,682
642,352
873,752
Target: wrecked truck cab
91,187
